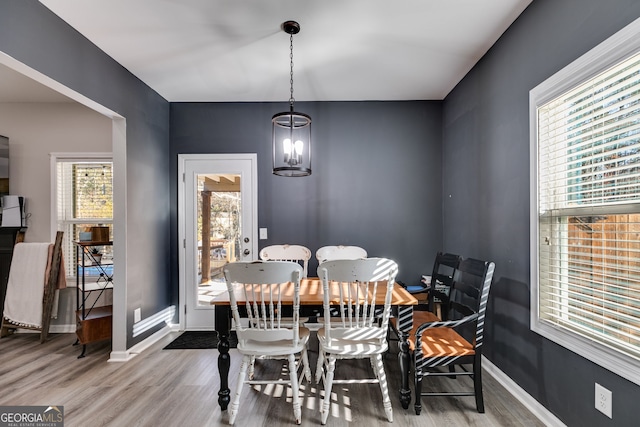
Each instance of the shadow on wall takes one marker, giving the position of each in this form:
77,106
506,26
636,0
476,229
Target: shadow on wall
510,344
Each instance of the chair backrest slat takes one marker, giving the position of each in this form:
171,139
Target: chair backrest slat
470,293
292,253
444,268
263,286
330,253
353,286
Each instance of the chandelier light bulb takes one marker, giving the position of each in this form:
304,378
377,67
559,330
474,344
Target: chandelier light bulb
286,146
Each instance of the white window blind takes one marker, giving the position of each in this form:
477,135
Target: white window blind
84,199
590,277
588,142
587,239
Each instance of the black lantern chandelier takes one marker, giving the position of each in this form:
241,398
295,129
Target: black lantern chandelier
291,130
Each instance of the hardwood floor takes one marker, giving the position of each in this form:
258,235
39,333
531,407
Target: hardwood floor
179,388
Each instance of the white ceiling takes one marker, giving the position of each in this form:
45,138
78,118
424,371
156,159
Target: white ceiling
230,50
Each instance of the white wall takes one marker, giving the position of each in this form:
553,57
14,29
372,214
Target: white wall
35,130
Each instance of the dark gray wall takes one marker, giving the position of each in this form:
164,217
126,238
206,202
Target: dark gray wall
377,175
30,33
376,178
486,197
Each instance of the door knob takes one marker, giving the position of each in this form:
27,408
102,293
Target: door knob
246,252
246,240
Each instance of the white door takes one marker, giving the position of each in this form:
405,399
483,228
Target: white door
217,224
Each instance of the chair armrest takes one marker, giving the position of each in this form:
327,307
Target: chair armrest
444,324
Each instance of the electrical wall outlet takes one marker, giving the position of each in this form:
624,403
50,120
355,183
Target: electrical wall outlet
263,234
603,400
137,315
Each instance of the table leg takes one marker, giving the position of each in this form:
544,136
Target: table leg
405,362
224,360
405,323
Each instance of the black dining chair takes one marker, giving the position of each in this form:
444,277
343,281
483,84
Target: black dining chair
439,288
436,292
441,276
456,341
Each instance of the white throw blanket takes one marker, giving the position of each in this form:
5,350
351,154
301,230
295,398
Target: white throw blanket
25,290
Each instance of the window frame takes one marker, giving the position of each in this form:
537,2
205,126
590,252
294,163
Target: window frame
616,48
56,158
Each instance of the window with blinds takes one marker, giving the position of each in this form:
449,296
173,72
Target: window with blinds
84,199
586,284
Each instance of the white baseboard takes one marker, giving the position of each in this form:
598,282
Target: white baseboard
62,329
124,356
542,413
53,329
114,356
119,356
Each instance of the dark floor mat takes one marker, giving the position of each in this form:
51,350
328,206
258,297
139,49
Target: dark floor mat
199,340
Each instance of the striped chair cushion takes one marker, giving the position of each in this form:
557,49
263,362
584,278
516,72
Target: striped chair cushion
438,342
420,317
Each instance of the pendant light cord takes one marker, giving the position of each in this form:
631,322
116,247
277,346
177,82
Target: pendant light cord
291,99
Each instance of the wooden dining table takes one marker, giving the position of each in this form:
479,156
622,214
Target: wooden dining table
311,295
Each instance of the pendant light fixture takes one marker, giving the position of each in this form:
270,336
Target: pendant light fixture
291,130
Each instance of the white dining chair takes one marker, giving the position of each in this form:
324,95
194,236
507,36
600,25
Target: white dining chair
333,252
357,288
261,332
328,253
295,253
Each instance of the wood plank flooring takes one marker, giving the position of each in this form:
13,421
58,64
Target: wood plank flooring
179,388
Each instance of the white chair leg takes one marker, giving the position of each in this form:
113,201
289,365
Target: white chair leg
382,379
374,367
293,377
319,366
328,382
305,364
252,366
235,403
